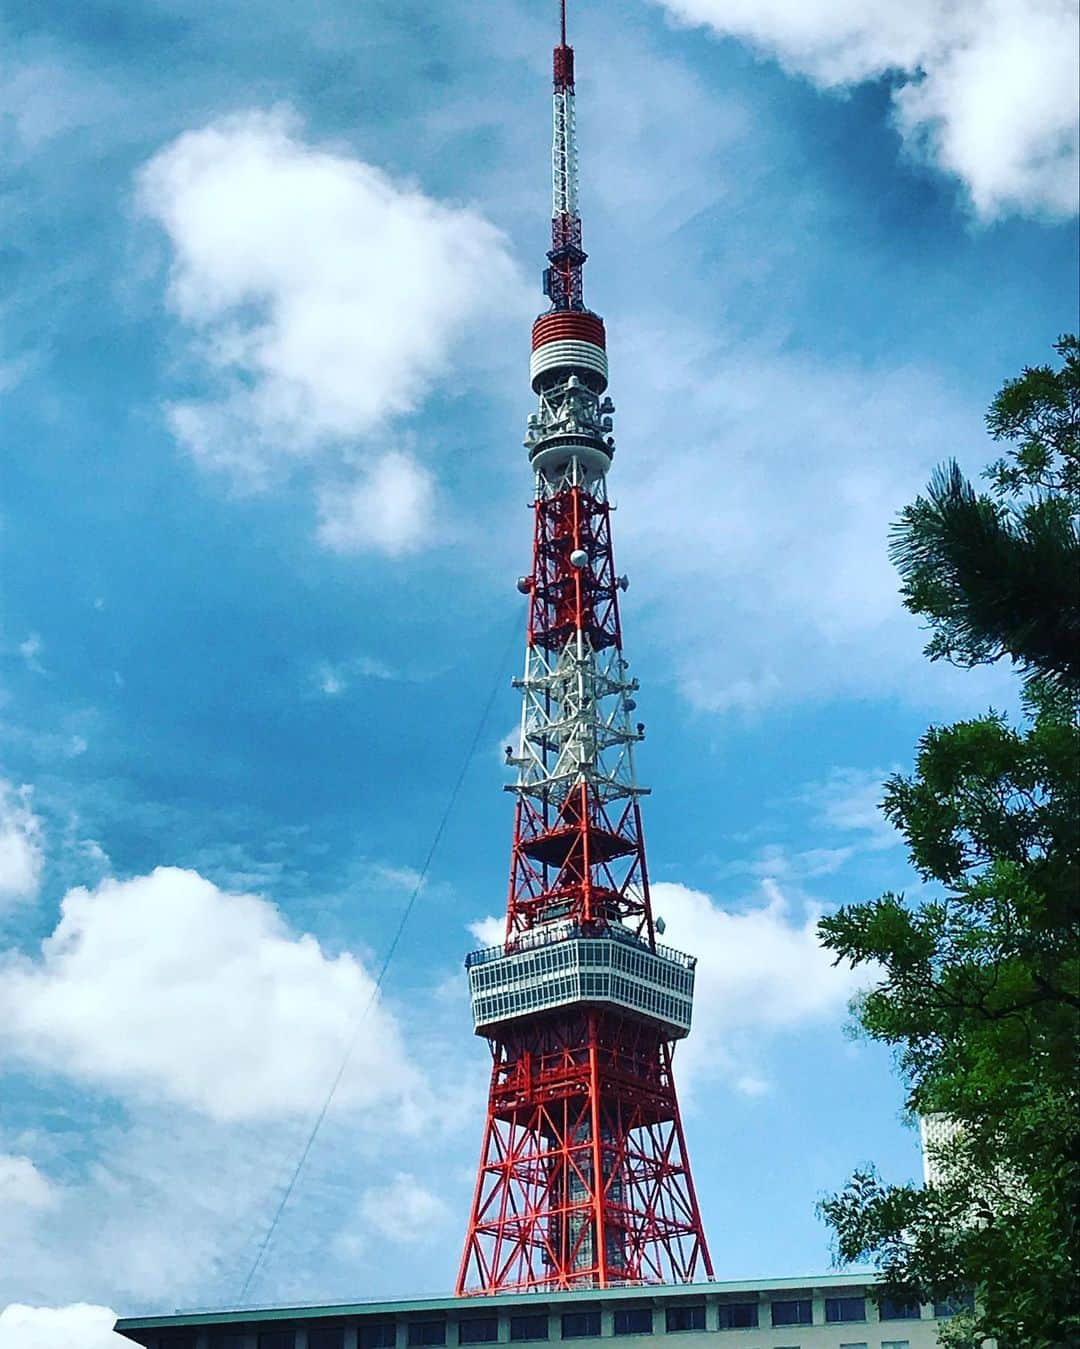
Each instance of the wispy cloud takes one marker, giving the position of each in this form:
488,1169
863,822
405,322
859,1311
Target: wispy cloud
30,650
335,678
849,801
403,1210
764,545
22,857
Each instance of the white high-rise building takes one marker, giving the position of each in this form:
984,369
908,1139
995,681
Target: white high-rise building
934,1132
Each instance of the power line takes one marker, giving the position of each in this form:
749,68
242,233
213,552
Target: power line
264,1245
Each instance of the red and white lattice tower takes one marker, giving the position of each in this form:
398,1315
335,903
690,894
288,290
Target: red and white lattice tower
584,1179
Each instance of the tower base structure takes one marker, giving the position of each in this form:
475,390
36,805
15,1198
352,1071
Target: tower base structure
584,1180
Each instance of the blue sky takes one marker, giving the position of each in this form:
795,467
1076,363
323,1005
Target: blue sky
269,272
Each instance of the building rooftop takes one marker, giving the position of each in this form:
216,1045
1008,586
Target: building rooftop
649,1293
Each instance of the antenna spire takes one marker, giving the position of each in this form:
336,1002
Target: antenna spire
562,280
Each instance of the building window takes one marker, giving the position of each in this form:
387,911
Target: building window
478,1330
894,1344
277,1339
685,1318
895,1309
427,1332
860,1345
374,1335
633,1321
333,1337
532,1327
796,1312
580,1325
953,1306
738,1315
845,1309
227,1339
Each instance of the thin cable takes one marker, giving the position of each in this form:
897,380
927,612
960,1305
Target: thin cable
406,912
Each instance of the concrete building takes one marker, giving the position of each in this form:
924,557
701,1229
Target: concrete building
832,1311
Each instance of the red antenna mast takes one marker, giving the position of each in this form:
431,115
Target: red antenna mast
584,1179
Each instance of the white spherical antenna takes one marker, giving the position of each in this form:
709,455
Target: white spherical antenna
578,558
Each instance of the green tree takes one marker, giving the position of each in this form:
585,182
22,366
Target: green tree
998,574
977,982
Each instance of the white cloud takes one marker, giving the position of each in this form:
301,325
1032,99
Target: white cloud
330,681
403,1210
765,546
21,855
334,679
30,650
169,987
80,1326
986,88
388,508
779,863
490,931
761,971
23,1186
325,299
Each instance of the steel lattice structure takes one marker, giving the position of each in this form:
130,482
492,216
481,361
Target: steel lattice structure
584,1179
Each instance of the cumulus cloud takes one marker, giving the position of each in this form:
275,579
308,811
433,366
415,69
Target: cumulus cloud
388,508
23,1186
22,856
173,989
81,1325
325,298
489,931
761,972
761,967
986,88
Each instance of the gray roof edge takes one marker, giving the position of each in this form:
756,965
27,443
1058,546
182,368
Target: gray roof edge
233,1315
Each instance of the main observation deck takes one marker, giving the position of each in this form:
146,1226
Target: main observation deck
563,968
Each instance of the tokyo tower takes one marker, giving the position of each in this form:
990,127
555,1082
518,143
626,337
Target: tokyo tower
584,1180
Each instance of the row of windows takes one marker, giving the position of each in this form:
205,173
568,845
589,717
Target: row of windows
799,1311
471,1330
514,1001
580,1325
633,960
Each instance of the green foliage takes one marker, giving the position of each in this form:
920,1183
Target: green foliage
999,575
1041,412
976,983
978,991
